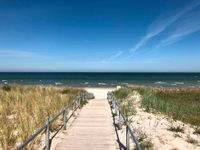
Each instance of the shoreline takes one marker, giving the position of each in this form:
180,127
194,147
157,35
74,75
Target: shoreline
104,87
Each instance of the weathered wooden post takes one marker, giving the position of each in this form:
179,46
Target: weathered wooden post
109,97
79,99
47,146
127,138
74,108
114,107
84,97
120,121
65,118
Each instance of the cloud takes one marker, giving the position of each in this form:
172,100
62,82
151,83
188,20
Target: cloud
186,26
24,54
116,55
160,25
16,53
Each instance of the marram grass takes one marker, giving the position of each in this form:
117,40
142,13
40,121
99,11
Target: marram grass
126,103
179,103
25,108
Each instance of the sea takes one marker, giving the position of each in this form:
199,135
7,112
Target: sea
102,79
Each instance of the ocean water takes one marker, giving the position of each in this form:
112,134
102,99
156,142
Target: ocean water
103,79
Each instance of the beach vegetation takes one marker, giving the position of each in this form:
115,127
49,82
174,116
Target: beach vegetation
179,103
144,141
25,108
122,93
176,129
127,103
6,88
191,140
197,130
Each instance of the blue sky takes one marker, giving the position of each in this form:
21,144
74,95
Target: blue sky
105,35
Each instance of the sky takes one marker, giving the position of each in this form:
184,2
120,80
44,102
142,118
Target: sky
100,36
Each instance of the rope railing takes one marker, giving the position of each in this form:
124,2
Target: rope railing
117,110
46,127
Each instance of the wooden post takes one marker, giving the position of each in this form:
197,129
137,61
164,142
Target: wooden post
84,97
79,101
115,108
74,109
47,146
127,139
65,118
120,121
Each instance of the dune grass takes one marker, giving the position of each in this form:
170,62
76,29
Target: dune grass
179,103
25,108
126,103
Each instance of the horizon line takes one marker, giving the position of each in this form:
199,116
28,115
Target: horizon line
99,72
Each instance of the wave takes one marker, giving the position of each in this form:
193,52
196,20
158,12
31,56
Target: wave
192,86
124,83
180,83
86,83
58,83
160,82
102,84
4,80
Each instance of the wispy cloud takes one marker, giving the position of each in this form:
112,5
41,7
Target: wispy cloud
160,25
116,55
24,54
186,26
16,53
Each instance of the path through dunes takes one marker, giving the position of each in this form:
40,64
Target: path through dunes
93,129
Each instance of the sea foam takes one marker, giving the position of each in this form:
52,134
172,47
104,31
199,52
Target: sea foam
102,83
160,82
180,83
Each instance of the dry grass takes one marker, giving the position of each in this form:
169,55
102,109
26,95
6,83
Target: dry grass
23,109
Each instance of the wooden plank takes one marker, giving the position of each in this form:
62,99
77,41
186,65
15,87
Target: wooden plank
92,130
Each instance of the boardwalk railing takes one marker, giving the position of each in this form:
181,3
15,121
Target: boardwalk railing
117,110
81,99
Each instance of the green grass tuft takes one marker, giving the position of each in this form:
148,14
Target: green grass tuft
197,131
122,93
176,129
144,141
191,140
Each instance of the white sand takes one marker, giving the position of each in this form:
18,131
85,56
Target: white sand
99,93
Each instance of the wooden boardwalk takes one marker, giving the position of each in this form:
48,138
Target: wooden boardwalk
92,130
